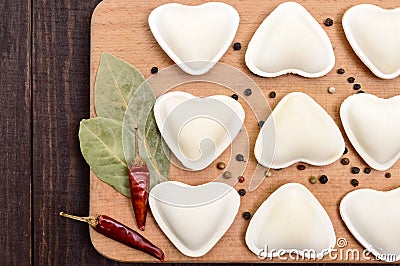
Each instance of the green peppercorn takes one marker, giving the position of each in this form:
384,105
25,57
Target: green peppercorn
227,175
313,180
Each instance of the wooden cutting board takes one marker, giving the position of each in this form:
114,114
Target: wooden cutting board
120,27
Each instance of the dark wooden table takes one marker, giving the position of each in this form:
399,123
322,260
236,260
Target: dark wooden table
44,93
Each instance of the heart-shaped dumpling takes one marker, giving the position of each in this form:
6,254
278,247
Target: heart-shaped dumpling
197,130
374,35
194,218
194,37
372,125
298,130
291,220
373,217
290,40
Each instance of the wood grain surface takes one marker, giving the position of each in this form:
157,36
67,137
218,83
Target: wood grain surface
120,28
15,132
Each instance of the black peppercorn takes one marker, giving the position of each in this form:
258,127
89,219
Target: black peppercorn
248,92
235,97
345,161
261,123
356,86
237,46
360,91
240,158
246,215
340,71
272,94
367,170
301,167
354,182
345,150
388,175
242,192
355,170
351,80
154,70
328,22
323,179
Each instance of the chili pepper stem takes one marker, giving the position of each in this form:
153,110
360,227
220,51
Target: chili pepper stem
138,161
91,220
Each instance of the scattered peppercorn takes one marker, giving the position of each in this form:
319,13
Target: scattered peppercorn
367,170
360,91
248,92
261,123
278,169
313,180
154,70
240,158
345,161
355,170
268,173
354,182
242,192
388,175
221,166
340,71
331,89
356,86
351,80
235,96
301,167
241,179
323,179
328,22
246,215
345,150
227,175
272,94
237,46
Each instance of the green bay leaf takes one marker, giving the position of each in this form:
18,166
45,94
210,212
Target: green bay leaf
116,82
151,145
101,145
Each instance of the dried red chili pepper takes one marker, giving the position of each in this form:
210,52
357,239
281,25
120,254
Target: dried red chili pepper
139,184
115,230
